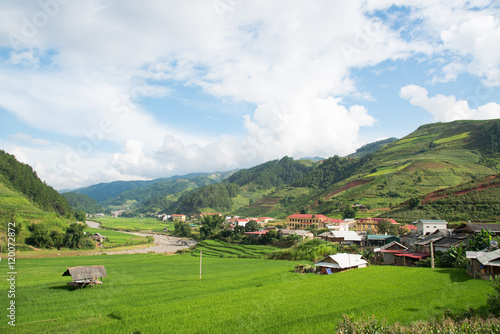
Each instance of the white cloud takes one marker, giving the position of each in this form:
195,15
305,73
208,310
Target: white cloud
448,108
477,38
83,70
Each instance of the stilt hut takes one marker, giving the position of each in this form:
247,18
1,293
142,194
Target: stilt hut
85,276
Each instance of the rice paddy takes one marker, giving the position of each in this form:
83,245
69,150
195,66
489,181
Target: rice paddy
135,224
153,293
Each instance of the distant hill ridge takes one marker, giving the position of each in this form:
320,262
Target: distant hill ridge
380,175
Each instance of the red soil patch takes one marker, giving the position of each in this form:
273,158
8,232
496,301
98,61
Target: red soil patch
348,186
436,195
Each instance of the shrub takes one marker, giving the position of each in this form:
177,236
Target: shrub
493,300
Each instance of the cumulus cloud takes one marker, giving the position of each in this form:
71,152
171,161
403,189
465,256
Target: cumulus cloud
448,108
87,68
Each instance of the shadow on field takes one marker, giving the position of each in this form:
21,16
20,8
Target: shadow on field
456,275
61,287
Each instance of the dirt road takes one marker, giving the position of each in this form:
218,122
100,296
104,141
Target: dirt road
163,243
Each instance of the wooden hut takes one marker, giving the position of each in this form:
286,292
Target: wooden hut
85,276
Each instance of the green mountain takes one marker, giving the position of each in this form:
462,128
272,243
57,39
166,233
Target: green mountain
382,176
21,178
435,156
148,196
82,202
243,187
25,199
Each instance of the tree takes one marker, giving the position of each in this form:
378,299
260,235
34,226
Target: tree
210,224
182,229
75,238
414,202
80,216
454,257
40,236
479,241
252,226
349,212
386,227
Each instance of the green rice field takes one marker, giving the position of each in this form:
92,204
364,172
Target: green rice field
117,239
220,248
135,224
154,293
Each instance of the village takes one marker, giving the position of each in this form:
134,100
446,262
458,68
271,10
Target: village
415,244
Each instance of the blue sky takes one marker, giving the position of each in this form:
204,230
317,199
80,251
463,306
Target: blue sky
124,90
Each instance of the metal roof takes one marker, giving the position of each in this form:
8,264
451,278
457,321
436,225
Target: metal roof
431,221
414,255
487,258
79,273
379,236
429,239
475,227
342,261
347,235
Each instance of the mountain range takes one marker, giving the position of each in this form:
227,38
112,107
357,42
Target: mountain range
382,177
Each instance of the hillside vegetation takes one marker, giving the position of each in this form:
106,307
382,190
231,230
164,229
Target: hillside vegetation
435,156
243,187
148,196
82,202
22,178
383,176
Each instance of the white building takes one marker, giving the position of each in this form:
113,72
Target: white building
430,226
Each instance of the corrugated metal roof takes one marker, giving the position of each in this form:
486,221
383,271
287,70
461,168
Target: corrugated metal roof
379,236
487,257
79,273
344,260
347,235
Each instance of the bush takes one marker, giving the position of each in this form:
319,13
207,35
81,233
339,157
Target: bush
493,300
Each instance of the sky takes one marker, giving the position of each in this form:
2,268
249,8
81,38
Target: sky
97,91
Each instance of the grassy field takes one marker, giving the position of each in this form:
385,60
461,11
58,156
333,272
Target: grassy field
153,293
219,248
135,224
117,239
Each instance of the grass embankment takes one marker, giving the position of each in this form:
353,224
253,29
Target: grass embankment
135,224
152,293
218,248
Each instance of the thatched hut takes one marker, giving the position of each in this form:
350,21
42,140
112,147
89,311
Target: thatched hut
83,276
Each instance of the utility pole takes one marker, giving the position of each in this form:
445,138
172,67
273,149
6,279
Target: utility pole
201,252
432,254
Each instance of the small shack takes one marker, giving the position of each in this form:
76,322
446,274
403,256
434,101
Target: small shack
378,240
340,262
85,276
98,237
389,251
483,264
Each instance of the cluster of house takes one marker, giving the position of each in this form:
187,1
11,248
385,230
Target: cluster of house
482,264
422,238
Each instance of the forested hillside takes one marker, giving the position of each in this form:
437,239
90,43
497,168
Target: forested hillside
435,156
22,178
82,202
242,187
271,174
